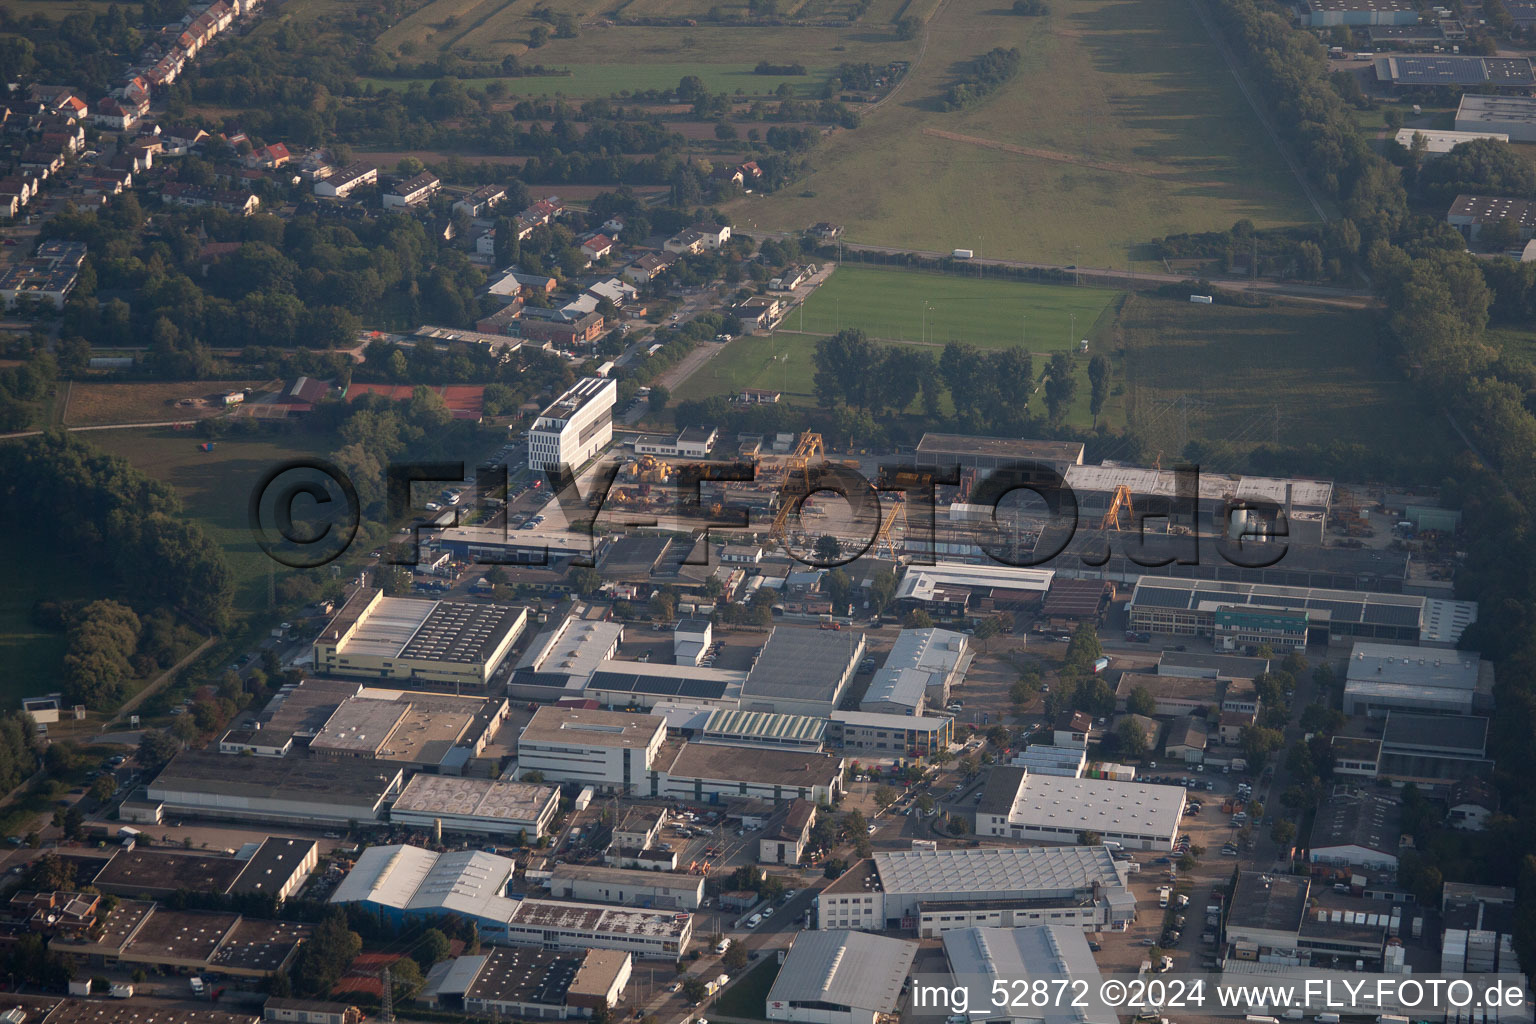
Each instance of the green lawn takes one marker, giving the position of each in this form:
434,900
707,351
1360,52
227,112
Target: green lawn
748,997
601,80
888,305
1291,374
1123,125
931,308
216,486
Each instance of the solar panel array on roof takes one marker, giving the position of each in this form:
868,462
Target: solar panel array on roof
1341,606
1427,70
630,682
456,632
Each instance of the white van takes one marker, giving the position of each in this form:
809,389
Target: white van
1327,1018
754,920
1292,1014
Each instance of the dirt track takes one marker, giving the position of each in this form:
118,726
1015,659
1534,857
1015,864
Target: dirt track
1063,158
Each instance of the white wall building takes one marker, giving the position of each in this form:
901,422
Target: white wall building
482,806
575,427
608,750
1019,805
620,885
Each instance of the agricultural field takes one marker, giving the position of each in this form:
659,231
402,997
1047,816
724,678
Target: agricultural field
1236,378
93,403
931,309
1122,125
216,486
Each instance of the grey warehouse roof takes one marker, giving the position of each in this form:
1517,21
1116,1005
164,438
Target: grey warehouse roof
845,968
803,664
1007,954
990,869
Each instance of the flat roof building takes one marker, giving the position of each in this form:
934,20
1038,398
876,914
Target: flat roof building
554,924
416,641
575,426
1355,828
1453,71
1388,677
1440,143
1470,214
933,891
885,734
1055,809
925,586
560,661
971,452
509,983
840,977
610,750
1189,607
802,671
713,772
1172,695
596,884
279,868
481,806
1327,13
1512,116
291,790
647,684
1265,916
1434,752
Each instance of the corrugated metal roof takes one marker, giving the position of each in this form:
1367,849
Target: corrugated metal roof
846,968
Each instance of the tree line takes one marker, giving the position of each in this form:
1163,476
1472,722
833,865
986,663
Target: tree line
984,76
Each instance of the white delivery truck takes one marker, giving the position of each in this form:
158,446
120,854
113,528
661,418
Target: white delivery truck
962,254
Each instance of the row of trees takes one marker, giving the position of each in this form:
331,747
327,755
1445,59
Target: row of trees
984,76
989,389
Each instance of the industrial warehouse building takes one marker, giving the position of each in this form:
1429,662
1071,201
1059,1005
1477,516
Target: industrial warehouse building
922,668
934,891
944,451
495,807
575,426
305,791
647,684
985,957
437,732
1189,608
1514,116
1055,809
1358,13
1356,828
560,661
1453,71
623,885
417,641
902,735
763,729
531,984
954,588
841,977
710,772
802,671
1384,677
403,882
609,750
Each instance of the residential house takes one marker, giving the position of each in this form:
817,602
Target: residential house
345,181
513,283
597,247
179,139
542,212
413,191
44,162
648,267
1471,803
184,194
481,201
268,158
111,113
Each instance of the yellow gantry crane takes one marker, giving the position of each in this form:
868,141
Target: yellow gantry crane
885,539
810,446
1121,500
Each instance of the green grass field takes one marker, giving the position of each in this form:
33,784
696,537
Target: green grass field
1122,125
586,80
215,487
888,305
1242,377
931,308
